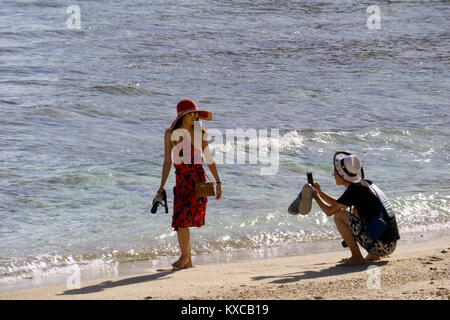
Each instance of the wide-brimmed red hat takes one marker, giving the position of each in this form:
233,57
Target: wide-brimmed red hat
187,105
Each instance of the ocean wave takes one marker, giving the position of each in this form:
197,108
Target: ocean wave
131,89
254,142
419,210
41,266
292,142
41,3
50,265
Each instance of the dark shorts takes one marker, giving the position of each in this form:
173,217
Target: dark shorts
379,247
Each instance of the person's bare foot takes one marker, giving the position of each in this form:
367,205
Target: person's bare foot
188,265
182,263
352,261
371,257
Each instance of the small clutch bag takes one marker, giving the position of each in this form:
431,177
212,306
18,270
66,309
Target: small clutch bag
204,189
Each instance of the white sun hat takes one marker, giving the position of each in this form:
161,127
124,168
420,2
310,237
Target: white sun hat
348,166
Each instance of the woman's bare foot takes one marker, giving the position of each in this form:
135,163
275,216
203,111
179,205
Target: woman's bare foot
182,263
188,265
352,261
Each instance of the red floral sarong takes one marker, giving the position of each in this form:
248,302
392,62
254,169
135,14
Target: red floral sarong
188,210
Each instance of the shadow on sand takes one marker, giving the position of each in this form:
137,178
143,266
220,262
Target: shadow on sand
304,275
160,275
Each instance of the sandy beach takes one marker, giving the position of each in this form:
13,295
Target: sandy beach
418,270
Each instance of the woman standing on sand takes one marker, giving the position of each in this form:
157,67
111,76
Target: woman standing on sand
187,140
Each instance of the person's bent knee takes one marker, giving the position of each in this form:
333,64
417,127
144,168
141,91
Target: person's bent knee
341,215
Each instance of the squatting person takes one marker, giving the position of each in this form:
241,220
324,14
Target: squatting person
371,222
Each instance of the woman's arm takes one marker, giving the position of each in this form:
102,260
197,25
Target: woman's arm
167,161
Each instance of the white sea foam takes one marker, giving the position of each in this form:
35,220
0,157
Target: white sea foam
290,141
43,267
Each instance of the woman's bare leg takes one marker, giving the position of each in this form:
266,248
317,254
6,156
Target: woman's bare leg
189,264
341,218
184,239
